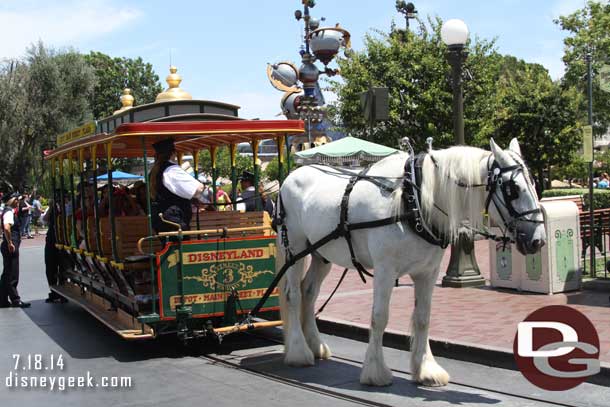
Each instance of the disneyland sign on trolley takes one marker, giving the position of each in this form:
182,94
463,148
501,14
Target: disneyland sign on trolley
258,253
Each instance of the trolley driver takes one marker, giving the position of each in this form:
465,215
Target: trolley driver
171,189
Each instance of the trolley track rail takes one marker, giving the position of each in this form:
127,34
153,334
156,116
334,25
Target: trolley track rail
234,363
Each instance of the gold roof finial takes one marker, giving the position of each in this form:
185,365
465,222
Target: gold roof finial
174,92
126,100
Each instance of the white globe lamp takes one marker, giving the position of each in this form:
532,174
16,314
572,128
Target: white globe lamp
454,32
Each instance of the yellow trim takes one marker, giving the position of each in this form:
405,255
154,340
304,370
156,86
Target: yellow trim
196,160
53,168
81,159
255,143
59,246
102,259
77,251
70,163
109,156
281,145
233,151
195,133
94,154
117,265
213,156
89,254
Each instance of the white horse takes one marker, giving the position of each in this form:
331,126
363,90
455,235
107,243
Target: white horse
311,199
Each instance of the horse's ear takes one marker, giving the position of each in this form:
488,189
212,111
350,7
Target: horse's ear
514,146
495,149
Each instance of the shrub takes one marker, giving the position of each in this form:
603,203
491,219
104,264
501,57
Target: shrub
601,197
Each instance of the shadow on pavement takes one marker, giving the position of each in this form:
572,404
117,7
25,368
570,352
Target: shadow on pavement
83,337
342,377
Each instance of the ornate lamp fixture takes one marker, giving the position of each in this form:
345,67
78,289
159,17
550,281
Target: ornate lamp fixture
302,96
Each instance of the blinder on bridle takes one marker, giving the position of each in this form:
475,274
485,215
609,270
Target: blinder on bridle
510,192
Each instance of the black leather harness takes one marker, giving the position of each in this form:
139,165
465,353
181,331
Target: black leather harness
411,214
411,197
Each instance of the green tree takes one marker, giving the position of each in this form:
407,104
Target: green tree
272,172
416,73
588,29
41,96
223,162
115,74
539,112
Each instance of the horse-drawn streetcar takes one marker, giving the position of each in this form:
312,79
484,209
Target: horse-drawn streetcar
192,281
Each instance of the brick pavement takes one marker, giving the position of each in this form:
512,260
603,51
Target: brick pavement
475,316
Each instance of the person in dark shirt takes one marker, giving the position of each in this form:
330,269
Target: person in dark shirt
11,233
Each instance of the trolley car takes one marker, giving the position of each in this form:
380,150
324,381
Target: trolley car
132,279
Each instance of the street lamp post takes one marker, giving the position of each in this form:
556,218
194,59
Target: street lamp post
463,270
408,9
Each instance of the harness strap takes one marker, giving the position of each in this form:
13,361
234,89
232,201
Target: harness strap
344,224
335,234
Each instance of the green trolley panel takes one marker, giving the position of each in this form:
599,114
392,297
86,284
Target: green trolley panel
211,270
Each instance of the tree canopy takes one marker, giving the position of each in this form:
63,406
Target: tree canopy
49,92
41,96
413,68
503,97
588,30
115,74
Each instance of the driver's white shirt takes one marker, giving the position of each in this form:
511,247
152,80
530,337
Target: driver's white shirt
179,182
8,218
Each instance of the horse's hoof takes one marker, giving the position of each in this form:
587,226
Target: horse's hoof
432,374
299,359
322,351
376,375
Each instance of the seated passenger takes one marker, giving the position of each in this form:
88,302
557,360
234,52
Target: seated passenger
248,193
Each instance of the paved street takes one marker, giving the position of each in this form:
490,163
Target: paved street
161,374
479,317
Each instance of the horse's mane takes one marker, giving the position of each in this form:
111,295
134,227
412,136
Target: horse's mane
440,189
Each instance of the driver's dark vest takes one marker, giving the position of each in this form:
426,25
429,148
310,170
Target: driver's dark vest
173,207
15,228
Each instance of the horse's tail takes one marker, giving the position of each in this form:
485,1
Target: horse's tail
280,261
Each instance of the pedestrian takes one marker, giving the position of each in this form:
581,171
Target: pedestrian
36,212
223,201
603,182
51,254
25,216
11,232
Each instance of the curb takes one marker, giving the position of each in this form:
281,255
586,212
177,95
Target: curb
466,352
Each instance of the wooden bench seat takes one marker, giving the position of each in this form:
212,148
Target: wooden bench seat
209,220
129,230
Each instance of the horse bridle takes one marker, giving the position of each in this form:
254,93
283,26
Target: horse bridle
509,191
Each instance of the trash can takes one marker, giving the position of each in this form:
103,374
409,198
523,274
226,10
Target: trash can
555,268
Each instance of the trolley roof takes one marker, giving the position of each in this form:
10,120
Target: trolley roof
129,139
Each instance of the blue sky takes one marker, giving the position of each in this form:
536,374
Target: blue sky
221,48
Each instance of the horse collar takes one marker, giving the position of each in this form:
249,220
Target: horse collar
412,182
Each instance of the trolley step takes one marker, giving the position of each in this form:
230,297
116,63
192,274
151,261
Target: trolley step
119,321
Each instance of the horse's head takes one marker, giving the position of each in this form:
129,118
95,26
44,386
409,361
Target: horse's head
512,201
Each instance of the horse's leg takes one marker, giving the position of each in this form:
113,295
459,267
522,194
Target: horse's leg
425,369
297,353
374,370
310,287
